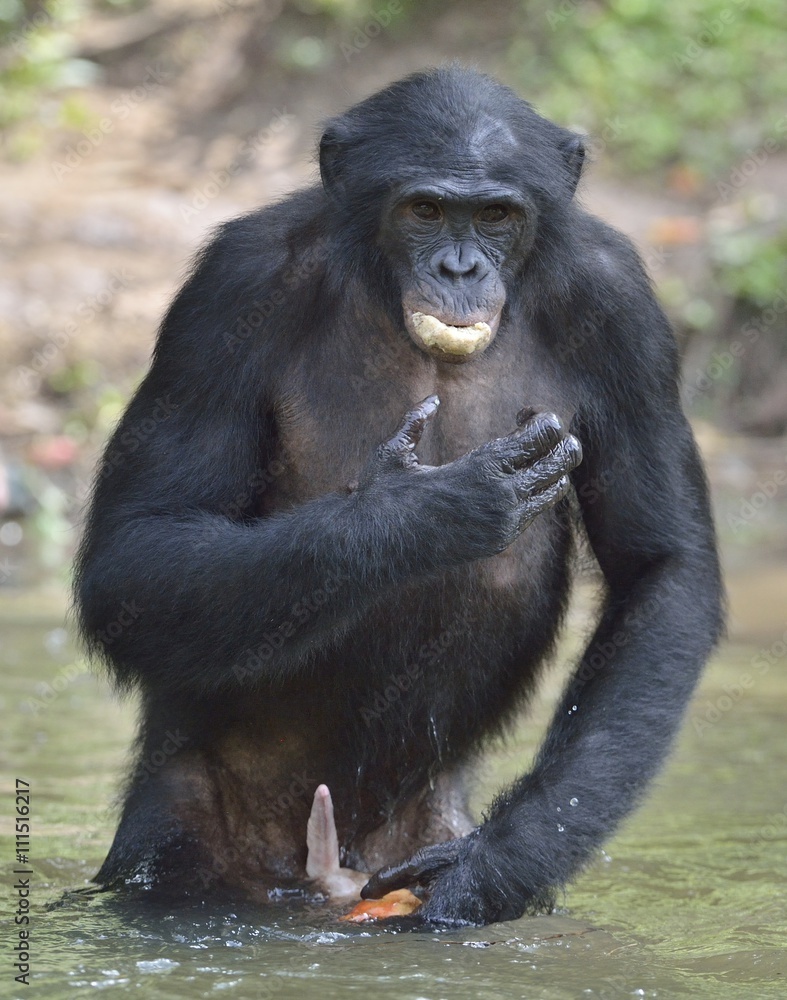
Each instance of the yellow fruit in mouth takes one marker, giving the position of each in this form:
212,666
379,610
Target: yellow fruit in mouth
451,339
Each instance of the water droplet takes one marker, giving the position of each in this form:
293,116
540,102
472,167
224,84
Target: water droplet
574,708
574,801
54,642
560,828
11,533
559,809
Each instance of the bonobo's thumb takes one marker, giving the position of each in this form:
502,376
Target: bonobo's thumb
399,451
421,869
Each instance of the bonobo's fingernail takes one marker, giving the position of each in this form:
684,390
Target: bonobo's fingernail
415,420
573,448
525,414
550,420
429,405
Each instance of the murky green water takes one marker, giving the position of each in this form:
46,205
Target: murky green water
689,901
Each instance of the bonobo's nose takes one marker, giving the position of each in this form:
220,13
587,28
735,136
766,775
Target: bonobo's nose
460,263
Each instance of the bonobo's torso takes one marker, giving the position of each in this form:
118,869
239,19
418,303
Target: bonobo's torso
378,716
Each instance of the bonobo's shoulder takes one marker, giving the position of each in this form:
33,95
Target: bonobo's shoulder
268,236
610,291
606,254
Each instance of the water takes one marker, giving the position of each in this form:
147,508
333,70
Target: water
687,901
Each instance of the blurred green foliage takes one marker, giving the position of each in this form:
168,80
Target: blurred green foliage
751,265
698,82
695,82
35,55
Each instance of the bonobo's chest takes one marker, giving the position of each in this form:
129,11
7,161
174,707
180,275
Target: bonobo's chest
350,393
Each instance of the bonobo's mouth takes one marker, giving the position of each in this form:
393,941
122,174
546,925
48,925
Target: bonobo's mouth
455,344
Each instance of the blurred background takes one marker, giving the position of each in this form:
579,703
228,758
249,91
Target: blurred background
130,128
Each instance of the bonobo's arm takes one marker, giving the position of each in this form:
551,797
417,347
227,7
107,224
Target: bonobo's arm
207,590
645,506
180,583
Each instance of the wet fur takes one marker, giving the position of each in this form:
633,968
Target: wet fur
226,518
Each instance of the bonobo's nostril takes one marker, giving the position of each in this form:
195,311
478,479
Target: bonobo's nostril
458,271
460,262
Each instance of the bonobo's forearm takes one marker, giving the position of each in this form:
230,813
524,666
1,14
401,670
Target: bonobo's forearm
221,602
613,727
285,584
609,735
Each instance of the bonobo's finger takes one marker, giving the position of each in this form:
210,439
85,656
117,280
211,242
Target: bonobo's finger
525,414
539,435
541,432
564,457
539,502
421,869
400,449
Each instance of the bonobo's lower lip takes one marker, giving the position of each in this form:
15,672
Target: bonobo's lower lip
451,343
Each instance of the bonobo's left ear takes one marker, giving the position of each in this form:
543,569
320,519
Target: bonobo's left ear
573,150
333,146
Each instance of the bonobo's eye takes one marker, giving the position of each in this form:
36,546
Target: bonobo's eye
428,211
493,213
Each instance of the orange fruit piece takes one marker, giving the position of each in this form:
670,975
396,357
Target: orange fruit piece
398,903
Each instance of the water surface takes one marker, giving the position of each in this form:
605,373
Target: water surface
687,900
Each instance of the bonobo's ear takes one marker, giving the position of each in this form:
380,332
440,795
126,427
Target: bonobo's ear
333,146
573,150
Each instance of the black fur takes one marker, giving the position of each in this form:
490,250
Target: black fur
298,606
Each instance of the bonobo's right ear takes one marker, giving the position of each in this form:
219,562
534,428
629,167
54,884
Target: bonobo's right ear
574,155
333,147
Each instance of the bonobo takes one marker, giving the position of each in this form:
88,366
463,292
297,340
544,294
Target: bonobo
390,397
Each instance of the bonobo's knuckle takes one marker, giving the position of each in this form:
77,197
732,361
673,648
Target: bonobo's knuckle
547,430
572,449
415,421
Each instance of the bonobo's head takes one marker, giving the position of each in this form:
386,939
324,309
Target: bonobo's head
447,180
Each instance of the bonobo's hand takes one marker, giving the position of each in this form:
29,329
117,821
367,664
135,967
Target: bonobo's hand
464,884
477,505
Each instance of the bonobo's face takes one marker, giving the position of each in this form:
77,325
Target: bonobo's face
453,244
